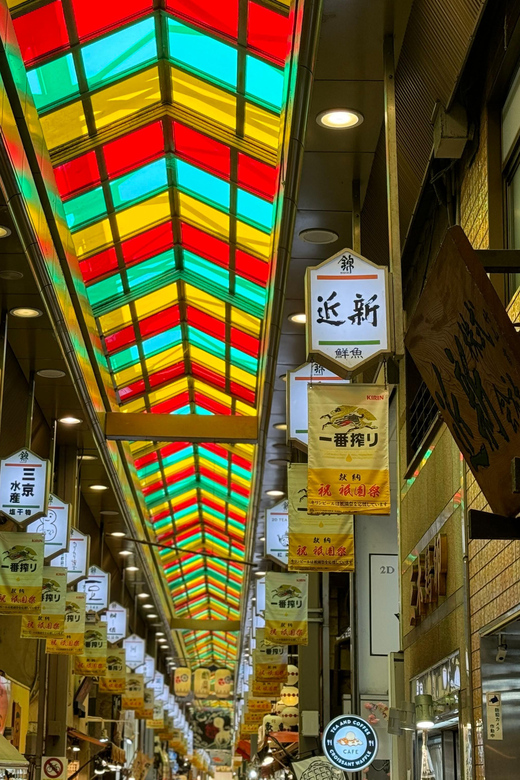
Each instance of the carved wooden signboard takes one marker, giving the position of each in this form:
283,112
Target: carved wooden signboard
468,353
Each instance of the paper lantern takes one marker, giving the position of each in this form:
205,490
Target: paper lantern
223,683
272,723
289,695
292,674
201,683
290,717
279,707
182,681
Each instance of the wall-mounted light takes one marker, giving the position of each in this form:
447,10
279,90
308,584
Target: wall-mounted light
424,712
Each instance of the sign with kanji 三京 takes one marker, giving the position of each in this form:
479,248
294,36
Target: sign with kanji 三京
297,401
55,526
468,353
50,621
348,469
24,486
21,573
276,533
316,544
116,618
77,558
114,680
95,587
347,307
72,641
286,602
135,651
93,661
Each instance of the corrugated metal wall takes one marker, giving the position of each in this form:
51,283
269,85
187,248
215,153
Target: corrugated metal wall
435,47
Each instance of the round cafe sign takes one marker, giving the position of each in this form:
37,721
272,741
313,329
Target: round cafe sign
350,743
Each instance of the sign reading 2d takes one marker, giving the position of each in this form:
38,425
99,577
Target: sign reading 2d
347,306
350,743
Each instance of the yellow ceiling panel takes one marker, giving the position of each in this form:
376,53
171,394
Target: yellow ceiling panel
246,322
205,302
126,98
164,359
134,406
92,238
156,301
115,320
149,212
64,125
242,377
254,240
208,101
212,362
206,217
128,375
242,408
168,392
262,126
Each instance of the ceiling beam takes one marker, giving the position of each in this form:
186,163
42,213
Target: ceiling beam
218,428
194,624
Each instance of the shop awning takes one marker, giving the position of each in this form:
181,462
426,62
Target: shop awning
9,755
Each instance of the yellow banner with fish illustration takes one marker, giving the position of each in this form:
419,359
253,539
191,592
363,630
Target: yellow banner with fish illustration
93,660
133,698
324,543
114,680
286,607
51,620
348,450
72,641
21,572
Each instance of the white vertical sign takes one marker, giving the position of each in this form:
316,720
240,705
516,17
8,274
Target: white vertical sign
76,560
55,526
95,587
147,668
297,399
384,604
277,532
494,716
134,647
24,486
116,618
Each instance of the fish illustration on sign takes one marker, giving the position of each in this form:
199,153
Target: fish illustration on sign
355,417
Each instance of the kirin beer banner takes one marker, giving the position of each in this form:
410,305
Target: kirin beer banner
146,712
316,544
21,573
93,661
286,599
114,680
269,661
348,450
133,698
51,619
72,641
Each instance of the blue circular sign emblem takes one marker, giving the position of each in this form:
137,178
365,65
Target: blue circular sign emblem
350,743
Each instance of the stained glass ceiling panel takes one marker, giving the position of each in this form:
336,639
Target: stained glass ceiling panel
166,124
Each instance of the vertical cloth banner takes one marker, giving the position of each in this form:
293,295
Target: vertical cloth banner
51,619
316,544
72,642
21,573
348,450
93,661
286,607
114,680
133,698
269,661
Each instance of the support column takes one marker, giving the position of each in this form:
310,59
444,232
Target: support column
309,665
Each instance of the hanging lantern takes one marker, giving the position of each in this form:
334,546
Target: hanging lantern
201,683
182,681
290,718
279,707
289,695
223,683
292,674
272,723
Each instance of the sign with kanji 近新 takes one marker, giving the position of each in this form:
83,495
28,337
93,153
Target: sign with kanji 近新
347,306
24,486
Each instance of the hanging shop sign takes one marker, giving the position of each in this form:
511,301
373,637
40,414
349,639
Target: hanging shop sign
95,587
93,660
286,608
428,578
348,450
158,685
146,712
316,544
72,641
135,651
55,527
347,306
24,486
201,683
468,353
269,661
276,533
350,743
297,399
116,618
76,560
133,697
258,705
21,573
114,679
223,683
147,668
157,721
50,621
260,596
182,681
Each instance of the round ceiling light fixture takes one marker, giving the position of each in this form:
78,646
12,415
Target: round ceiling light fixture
51,373
99,487
118,533
108,512
147,606
4,231
132,568
26,312
281,426
151,615
125,552
142,595
299,318
318,236
279,461
70,420
339,118
275,493
11,276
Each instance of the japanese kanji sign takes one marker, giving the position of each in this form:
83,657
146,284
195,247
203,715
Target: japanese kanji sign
72,642
50,621
202,683
182,681
276,533
147,668
347,308
76,560
348,450
468,353
135,651
286,608
116,618
149,700
114,680
95,587
269,661
133,698
93,661
316,544
21,573
494,716
297,401
55,526
223,683
266,688
157,721
24,486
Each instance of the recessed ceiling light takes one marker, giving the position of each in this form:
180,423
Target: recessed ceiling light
280,426
318,236
11,276
259,573
99,487
262,538
132,568
51,373
147,606
87,457
283,377
70,420
300,318
125,552
151,615
279,461
339,118
26,312
4,231
159,633
108,512
118,533
142,595
275,493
